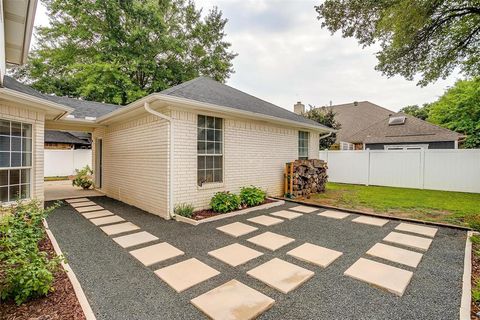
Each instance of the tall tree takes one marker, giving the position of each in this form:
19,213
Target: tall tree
429,37
118,51
325,116
417,111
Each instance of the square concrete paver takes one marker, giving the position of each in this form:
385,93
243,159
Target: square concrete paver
390,278
89,208
334,214
106,220
156,253
281,275
286,214
97,214
119,228
186,274
83,204
371,221
270,240
77,200
235,254
237,229
408,240
395,254
304,209
134,239
233,301
265,220
415,228
317,255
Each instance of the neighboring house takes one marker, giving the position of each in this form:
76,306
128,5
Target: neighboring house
66,140
368,126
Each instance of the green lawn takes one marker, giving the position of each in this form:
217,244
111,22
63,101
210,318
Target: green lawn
441,206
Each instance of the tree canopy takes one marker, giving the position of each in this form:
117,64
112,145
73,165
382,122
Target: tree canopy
118,51
325,116
417,111
429,38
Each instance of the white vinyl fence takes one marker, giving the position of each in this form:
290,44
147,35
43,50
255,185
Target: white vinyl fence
64,162
450,170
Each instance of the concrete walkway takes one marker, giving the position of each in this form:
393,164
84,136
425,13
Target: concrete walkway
63,189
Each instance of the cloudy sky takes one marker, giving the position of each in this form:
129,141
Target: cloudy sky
285,56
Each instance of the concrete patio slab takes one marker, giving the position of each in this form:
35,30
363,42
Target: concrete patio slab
392,279
415,228
106,220
89,208
371,221
334,214
235,254
237,229
281,275
304,209
75,200
314,254
135,239
233,301
83,204
186,274
395,254
286,214
63,189
265,220
408,240
270,240
156,253
119,228
97,214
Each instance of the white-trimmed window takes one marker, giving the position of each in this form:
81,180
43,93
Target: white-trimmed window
209,149
303,138
346,146
15,160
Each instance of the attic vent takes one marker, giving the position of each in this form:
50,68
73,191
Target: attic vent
392,121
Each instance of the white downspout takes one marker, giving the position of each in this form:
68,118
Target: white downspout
171,159
325,135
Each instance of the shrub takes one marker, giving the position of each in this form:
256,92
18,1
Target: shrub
252,196
83,178
184,210
25,271
225,202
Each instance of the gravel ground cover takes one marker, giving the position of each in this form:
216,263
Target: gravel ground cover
120,287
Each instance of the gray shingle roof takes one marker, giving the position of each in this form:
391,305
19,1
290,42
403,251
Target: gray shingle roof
204,89
82,108
52,136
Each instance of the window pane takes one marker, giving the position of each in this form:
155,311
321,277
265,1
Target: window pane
209,162
14,193
200,177
201,147
210,135
210,122
26,145
4,159
16,144
16,159
218,135
25,191
14,177
3,194
5,127
4,143
16,129
218,123
201,121
218,176
26,130
26,159
218,162
201,134
210,147
218,148
201,162
209,175
25,176
3,177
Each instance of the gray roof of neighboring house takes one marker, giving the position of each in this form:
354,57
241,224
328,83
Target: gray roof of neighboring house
52,136
82,108
413,130
204,89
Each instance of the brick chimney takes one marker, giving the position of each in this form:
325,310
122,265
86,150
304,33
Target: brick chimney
299,108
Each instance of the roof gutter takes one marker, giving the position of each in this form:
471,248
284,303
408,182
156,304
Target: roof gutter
146,106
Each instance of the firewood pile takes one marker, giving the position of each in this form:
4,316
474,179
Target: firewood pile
304,177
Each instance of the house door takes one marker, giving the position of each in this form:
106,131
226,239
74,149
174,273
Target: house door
98,163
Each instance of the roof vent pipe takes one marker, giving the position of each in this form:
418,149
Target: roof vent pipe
355,103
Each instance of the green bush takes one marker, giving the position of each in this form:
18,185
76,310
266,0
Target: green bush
184,210
252,196
225,202
25,271
83,178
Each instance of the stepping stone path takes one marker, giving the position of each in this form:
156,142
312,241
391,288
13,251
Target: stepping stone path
390,278
97,214
281,275
134,239
413,228
394,254
270,240
119,228
233,300
156,253
286,214
106,220
183,275
334,214
408,240
237,229
314,254
75,200
371,221
265,220
235,254
304,209
89,208
82,204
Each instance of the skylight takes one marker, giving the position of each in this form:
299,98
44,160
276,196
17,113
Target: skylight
392,121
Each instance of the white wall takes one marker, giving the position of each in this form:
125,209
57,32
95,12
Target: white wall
64,162
450,170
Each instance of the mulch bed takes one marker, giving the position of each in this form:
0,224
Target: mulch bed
62,303
475,309
207,213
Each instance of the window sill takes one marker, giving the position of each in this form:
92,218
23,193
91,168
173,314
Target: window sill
211,185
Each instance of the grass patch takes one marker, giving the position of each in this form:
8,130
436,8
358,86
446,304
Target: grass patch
440,206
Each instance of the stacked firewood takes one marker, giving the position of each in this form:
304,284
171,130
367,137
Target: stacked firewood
309,176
